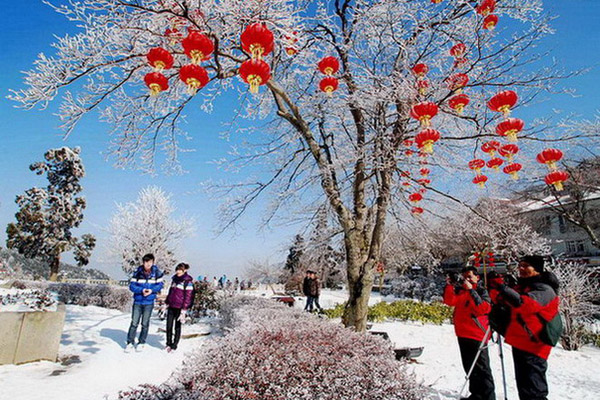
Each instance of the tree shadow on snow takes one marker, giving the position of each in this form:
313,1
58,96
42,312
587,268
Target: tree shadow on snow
120,337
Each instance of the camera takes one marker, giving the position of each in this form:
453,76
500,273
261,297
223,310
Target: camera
456,278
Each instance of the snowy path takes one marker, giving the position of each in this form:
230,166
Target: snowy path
571,375
93,361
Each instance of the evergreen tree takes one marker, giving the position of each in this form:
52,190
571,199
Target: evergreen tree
292,264
47,216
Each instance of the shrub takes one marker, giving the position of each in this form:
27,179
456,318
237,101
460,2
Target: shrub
418,287
278,353
204,299
403,310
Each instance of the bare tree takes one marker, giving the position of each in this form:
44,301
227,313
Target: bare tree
346,147
263,271
147,226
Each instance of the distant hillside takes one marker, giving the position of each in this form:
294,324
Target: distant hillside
15,265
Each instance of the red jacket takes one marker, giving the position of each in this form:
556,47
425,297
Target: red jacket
470,311
536,299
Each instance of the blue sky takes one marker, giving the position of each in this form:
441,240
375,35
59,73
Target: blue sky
28,29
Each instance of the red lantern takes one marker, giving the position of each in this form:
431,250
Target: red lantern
495,163
425,171
424,181
257,40
422,85
425,140
420,70
457,82
490,22
503,102
328,84
291,40
156,82
458,50
255,73
550,157
194,76
476,165
424,112
407,142
409,152
415,197
174,35
159,58
417,210
460,62
556,178
512,170
509,151
510,128
480,180
490,147
197,46
436,1
486,7
458,102
329,65
405,183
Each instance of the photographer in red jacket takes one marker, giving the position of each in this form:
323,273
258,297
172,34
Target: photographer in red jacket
471,304
532,301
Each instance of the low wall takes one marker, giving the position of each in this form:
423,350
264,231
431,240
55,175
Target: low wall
30,336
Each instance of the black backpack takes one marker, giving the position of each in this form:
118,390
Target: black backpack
499,318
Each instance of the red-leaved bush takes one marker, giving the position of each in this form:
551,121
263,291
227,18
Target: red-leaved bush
274,353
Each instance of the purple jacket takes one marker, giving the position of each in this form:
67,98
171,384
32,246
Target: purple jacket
180,292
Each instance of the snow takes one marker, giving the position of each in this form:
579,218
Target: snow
25,302
94,365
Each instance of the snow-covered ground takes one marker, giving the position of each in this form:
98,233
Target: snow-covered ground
94,366
92,362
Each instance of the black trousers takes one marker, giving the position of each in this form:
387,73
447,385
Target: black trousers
530,371
481,381
173,316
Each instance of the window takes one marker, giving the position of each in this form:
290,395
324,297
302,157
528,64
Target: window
576,246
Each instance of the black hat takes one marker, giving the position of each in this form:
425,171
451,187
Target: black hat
537,262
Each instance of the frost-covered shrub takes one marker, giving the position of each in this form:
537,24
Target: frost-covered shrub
403,310
239,309
113,297
418,287
205,298
283,354
35,300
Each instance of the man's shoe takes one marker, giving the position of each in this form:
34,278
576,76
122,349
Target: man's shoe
128,348
140,347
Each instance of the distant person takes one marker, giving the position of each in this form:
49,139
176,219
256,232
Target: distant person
179,300
315,291
236,284
306,290
146,282
249,285
215,282
243,285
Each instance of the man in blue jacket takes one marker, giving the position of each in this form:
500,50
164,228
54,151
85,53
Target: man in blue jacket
146,283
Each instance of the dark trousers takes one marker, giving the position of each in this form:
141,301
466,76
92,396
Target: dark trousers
530,371
173,316
481,381
310,300
143,312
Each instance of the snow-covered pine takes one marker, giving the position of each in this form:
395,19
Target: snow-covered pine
147,226
46,216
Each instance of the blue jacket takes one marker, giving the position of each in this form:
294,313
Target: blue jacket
139,282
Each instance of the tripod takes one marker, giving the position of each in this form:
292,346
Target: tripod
483,345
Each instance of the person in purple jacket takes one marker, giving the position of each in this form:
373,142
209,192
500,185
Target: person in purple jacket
178,300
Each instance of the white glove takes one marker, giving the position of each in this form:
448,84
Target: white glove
182,317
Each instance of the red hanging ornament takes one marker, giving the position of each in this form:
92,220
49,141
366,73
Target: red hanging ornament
556,178
503,102
174,35
424,112
409,152
510,128
460,62
490,147
480,180
425,140
476,165
457,82
458,102
407,142
197,46
159,59
257,40
156,82
329,65
420,70
509,151
328,84
486,7
194,76
490,22
424,181
550,157
255,73
458,50
422,85
495,163
513,169
415,197
425,171
416,211
291,42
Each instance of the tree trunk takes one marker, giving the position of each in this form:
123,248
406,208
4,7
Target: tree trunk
54,264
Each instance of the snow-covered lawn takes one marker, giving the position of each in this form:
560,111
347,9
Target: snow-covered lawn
94,364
